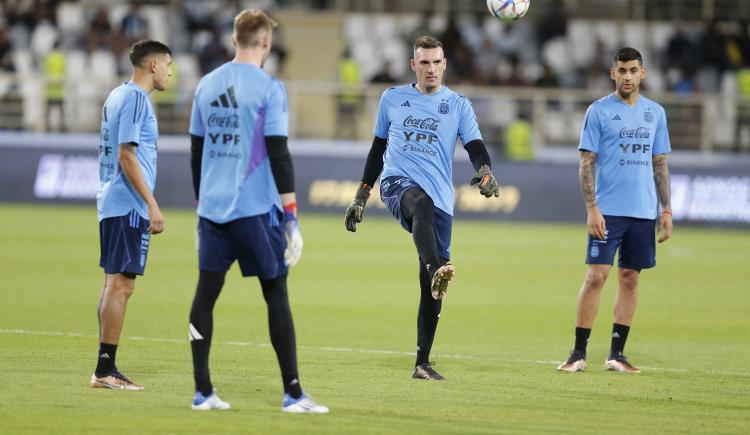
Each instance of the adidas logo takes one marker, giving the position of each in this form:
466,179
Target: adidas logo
226,99
294,382
193,333
406,104
616,118
615,335
105,355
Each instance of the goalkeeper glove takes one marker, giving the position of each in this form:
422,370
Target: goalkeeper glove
293,235
355,210
487,183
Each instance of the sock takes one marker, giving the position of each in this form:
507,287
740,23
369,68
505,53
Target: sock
619,336
427,318
281,330
582,338
106,361
200,328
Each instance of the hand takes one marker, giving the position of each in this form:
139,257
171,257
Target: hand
356,209
487,183
664,229
595,223
155,218
293,242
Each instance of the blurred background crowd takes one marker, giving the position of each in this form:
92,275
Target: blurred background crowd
530,80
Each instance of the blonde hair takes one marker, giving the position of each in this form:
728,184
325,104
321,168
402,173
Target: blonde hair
248,24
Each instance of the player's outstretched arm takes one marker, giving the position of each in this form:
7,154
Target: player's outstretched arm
480,159
373,168
129,163
586,178
661,179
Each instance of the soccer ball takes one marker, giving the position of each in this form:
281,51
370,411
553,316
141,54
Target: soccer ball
508,10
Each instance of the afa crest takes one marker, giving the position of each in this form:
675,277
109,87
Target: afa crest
444,108
648,116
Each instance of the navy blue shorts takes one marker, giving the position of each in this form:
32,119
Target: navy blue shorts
635,239
123,241
392,189
256,242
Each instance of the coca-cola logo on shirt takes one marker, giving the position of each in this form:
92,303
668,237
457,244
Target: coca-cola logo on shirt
427,123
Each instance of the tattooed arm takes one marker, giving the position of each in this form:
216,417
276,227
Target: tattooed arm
661,179
586,178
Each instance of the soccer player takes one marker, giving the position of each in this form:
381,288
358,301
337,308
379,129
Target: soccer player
415,140
128,211
623,170
247,210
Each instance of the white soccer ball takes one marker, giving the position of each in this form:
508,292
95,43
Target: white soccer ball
508,10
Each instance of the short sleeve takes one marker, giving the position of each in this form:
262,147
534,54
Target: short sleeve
468,129
276,111
130,119
661,136
591,132
382,123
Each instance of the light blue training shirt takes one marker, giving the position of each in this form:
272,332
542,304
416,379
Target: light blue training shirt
625,139
421,131
234,108
127,117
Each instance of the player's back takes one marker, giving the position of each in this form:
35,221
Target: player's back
235,107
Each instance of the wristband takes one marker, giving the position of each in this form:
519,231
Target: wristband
290,211
667,212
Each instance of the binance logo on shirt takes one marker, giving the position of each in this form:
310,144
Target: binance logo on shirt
226,99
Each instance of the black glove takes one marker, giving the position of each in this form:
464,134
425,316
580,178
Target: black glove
357,207
487,183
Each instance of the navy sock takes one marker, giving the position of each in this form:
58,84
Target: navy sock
619,336
582,339
106,361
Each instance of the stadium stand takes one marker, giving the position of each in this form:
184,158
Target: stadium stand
545,68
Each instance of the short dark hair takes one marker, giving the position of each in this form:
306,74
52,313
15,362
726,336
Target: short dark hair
626,54
144,48
427,42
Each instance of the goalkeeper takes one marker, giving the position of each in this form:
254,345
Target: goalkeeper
244,180
415,137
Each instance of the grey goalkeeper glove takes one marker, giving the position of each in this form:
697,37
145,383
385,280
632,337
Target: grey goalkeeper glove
355,210
487,183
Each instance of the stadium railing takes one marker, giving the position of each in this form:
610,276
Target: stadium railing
698,122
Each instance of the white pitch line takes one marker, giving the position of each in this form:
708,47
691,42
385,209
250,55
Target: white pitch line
349,350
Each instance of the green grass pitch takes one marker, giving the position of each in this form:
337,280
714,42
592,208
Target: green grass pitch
507,322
